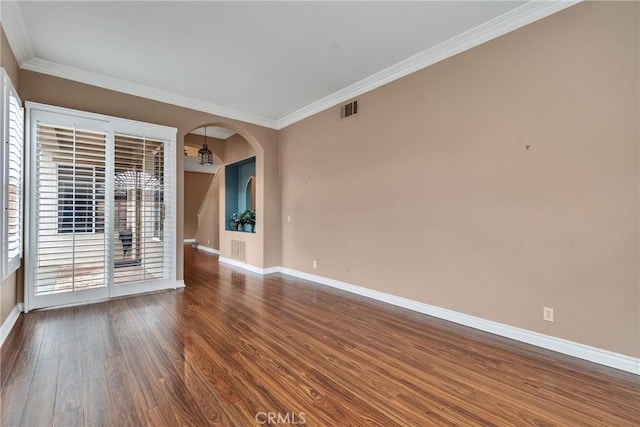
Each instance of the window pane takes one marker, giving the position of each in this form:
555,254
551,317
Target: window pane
139,251
80,199
71,246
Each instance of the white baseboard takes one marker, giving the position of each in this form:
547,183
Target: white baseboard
189,240
271,270
10,321
249,267
179,284
208,249
592,354
571,348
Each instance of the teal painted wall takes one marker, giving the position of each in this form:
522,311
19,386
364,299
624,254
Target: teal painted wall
236,177
245,172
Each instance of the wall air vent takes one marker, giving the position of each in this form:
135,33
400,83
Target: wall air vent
350,109
238,250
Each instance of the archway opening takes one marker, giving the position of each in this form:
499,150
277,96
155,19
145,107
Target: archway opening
233,190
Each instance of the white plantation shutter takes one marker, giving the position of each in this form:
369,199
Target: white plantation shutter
69,213
12,169
139,193
102,207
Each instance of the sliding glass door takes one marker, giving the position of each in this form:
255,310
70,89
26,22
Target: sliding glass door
99,223
139,211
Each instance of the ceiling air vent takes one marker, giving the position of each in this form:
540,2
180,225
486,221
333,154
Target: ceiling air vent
350,109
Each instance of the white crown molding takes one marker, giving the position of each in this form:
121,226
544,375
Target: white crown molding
519,17
10,322
581,351
527,13
51,68
16,32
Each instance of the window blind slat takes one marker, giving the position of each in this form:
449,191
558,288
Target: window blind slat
12,223
72,247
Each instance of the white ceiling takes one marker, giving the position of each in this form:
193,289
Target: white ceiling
269,63
214,132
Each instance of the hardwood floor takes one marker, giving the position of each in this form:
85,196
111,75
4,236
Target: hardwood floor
239,349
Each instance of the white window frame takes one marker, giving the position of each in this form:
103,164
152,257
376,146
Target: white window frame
8,265
111,126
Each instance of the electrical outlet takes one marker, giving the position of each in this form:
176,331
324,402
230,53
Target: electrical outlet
547,314
288,218
208,242
315,264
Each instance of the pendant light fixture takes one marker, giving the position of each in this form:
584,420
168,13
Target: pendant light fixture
204,154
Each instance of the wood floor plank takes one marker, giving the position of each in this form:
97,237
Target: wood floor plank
128,410
170,415
96,403
24,364
39,408
233,346
10,349
13,399
146,372
70,418
69,381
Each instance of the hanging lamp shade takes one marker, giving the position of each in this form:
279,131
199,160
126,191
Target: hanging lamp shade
204,154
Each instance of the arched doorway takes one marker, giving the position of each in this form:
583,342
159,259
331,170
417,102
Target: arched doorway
230,145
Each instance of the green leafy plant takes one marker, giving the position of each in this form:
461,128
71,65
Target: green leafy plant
248,217
235,219
241,219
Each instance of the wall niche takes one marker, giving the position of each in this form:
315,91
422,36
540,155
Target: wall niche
240,195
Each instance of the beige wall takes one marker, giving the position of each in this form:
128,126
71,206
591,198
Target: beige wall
208,233
236,149
430,194
7,60
9,296
56,91
196,186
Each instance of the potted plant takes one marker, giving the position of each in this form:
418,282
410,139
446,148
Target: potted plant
236,221
252,220
248,219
